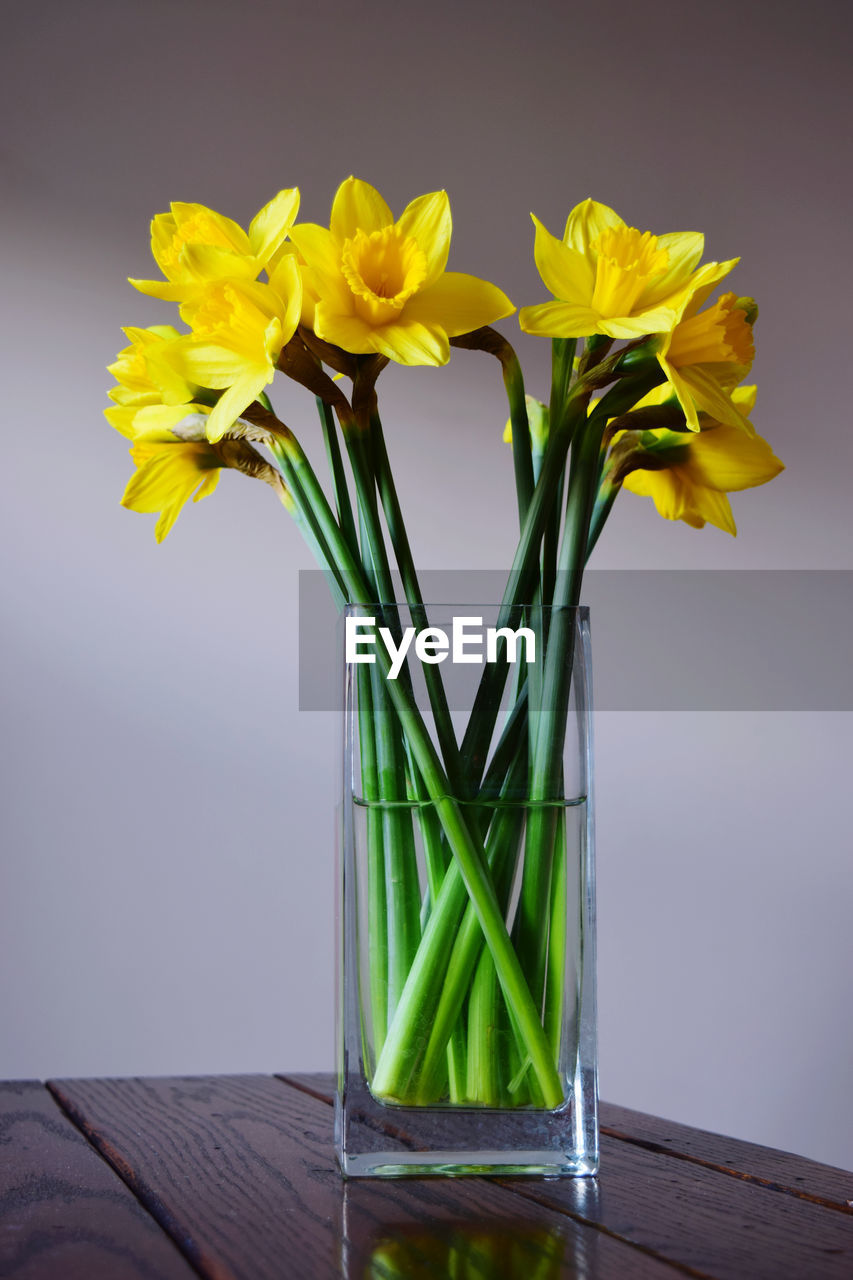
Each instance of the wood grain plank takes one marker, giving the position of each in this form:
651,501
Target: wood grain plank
64,1214
720,1226
775,1170
317,1084
240,1170
685,1211
779,1170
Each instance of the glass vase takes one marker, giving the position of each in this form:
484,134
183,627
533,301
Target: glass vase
466,1002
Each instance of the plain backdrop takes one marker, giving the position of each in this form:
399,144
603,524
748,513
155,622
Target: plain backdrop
168,852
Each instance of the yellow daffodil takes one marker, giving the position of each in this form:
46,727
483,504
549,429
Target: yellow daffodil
689,475
178,464
168,475
238,330
193,245
152,395
142,370
708,352
610,278
381,286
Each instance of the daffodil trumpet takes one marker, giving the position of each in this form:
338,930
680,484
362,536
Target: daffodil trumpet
467,949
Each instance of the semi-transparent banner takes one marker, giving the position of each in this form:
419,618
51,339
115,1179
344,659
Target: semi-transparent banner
662,640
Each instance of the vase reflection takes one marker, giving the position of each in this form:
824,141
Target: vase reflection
464,1252
423,1231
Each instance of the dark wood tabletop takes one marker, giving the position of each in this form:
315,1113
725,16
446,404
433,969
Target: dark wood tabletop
233,1178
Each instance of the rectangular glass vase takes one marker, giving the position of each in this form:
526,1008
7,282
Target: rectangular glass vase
466,998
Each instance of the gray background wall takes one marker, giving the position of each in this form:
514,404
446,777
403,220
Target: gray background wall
167,867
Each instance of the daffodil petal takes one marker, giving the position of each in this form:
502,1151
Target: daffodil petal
568,274
163,289
658,395
712,398
309,304
586,222
210,365
154,419
165,479
703,283
559,320
158,421
168,516
317,246
286,281
331,288
124,396
122,418
412,343
268,229
727,460
647,323
347,331
156,333
163,230
683,249
638,481
243,293
357,205
714,507
682,392
273,338
230,230
154,482
427,220
232,402
744,398
207,485
665,488
210,262
136,336
731,374
458,303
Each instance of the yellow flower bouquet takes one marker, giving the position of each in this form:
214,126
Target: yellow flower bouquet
467,909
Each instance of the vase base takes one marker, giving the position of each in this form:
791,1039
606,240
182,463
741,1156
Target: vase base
374,1140
461,1164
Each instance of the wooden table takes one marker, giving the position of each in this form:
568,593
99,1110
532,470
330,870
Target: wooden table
234,1176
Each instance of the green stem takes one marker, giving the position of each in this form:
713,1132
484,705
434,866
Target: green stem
548,724
377,922
506,750
401,888
336,467
555,985
502,848
484,1076
608,492
406,564
469,862
521,445
521,584
312,531
402,894
562,363
436,859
